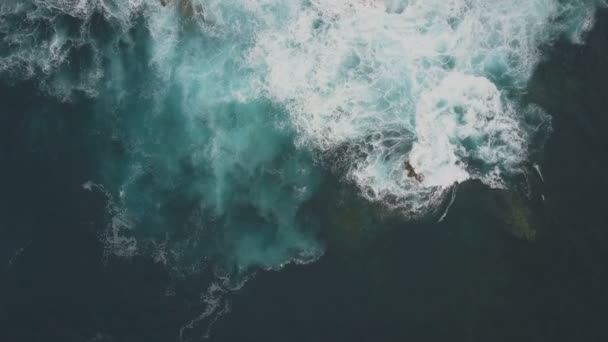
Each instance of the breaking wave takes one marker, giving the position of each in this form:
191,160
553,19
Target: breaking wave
217,120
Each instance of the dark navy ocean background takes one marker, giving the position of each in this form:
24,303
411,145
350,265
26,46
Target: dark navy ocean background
464,279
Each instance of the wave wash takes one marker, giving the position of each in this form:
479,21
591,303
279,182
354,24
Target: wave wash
220,116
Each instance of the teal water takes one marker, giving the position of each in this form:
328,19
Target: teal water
218,139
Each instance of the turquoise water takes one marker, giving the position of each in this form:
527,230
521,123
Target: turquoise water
232,135
231,108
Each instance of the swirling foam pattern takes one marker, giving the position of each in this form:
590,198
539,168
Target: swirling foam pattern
219,115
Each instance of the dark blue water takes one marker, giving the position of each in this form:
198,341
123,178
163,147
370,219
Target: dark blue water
528,264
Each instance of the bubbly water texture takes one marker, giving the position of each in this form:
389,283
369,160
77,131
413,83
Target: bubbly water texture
222,114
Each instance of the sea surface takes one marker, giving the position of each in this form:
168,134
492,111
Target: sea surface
190,170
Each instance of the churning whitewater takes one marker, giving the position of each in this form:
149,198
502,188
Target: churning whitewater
231,110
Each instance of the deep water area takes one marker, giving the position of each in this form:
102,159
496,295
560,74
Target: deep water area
303,170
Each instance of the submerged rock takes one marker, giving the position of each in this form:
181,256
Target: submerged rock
186,7
514,214
510,210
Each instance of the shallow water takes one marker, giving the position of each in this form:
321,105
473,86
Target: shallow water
152,171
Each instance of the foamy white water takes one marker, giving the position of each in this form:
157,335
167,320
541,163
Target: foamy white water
224,109
418,81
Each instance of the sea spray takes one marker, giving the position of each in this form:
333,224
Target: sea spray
429,83
215,119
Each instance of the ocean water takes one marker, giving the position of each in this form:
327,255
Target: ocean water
237,170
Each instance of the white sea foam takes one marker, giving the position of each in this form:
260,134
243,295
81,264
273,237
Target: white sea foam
384,82
419,80
423,81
